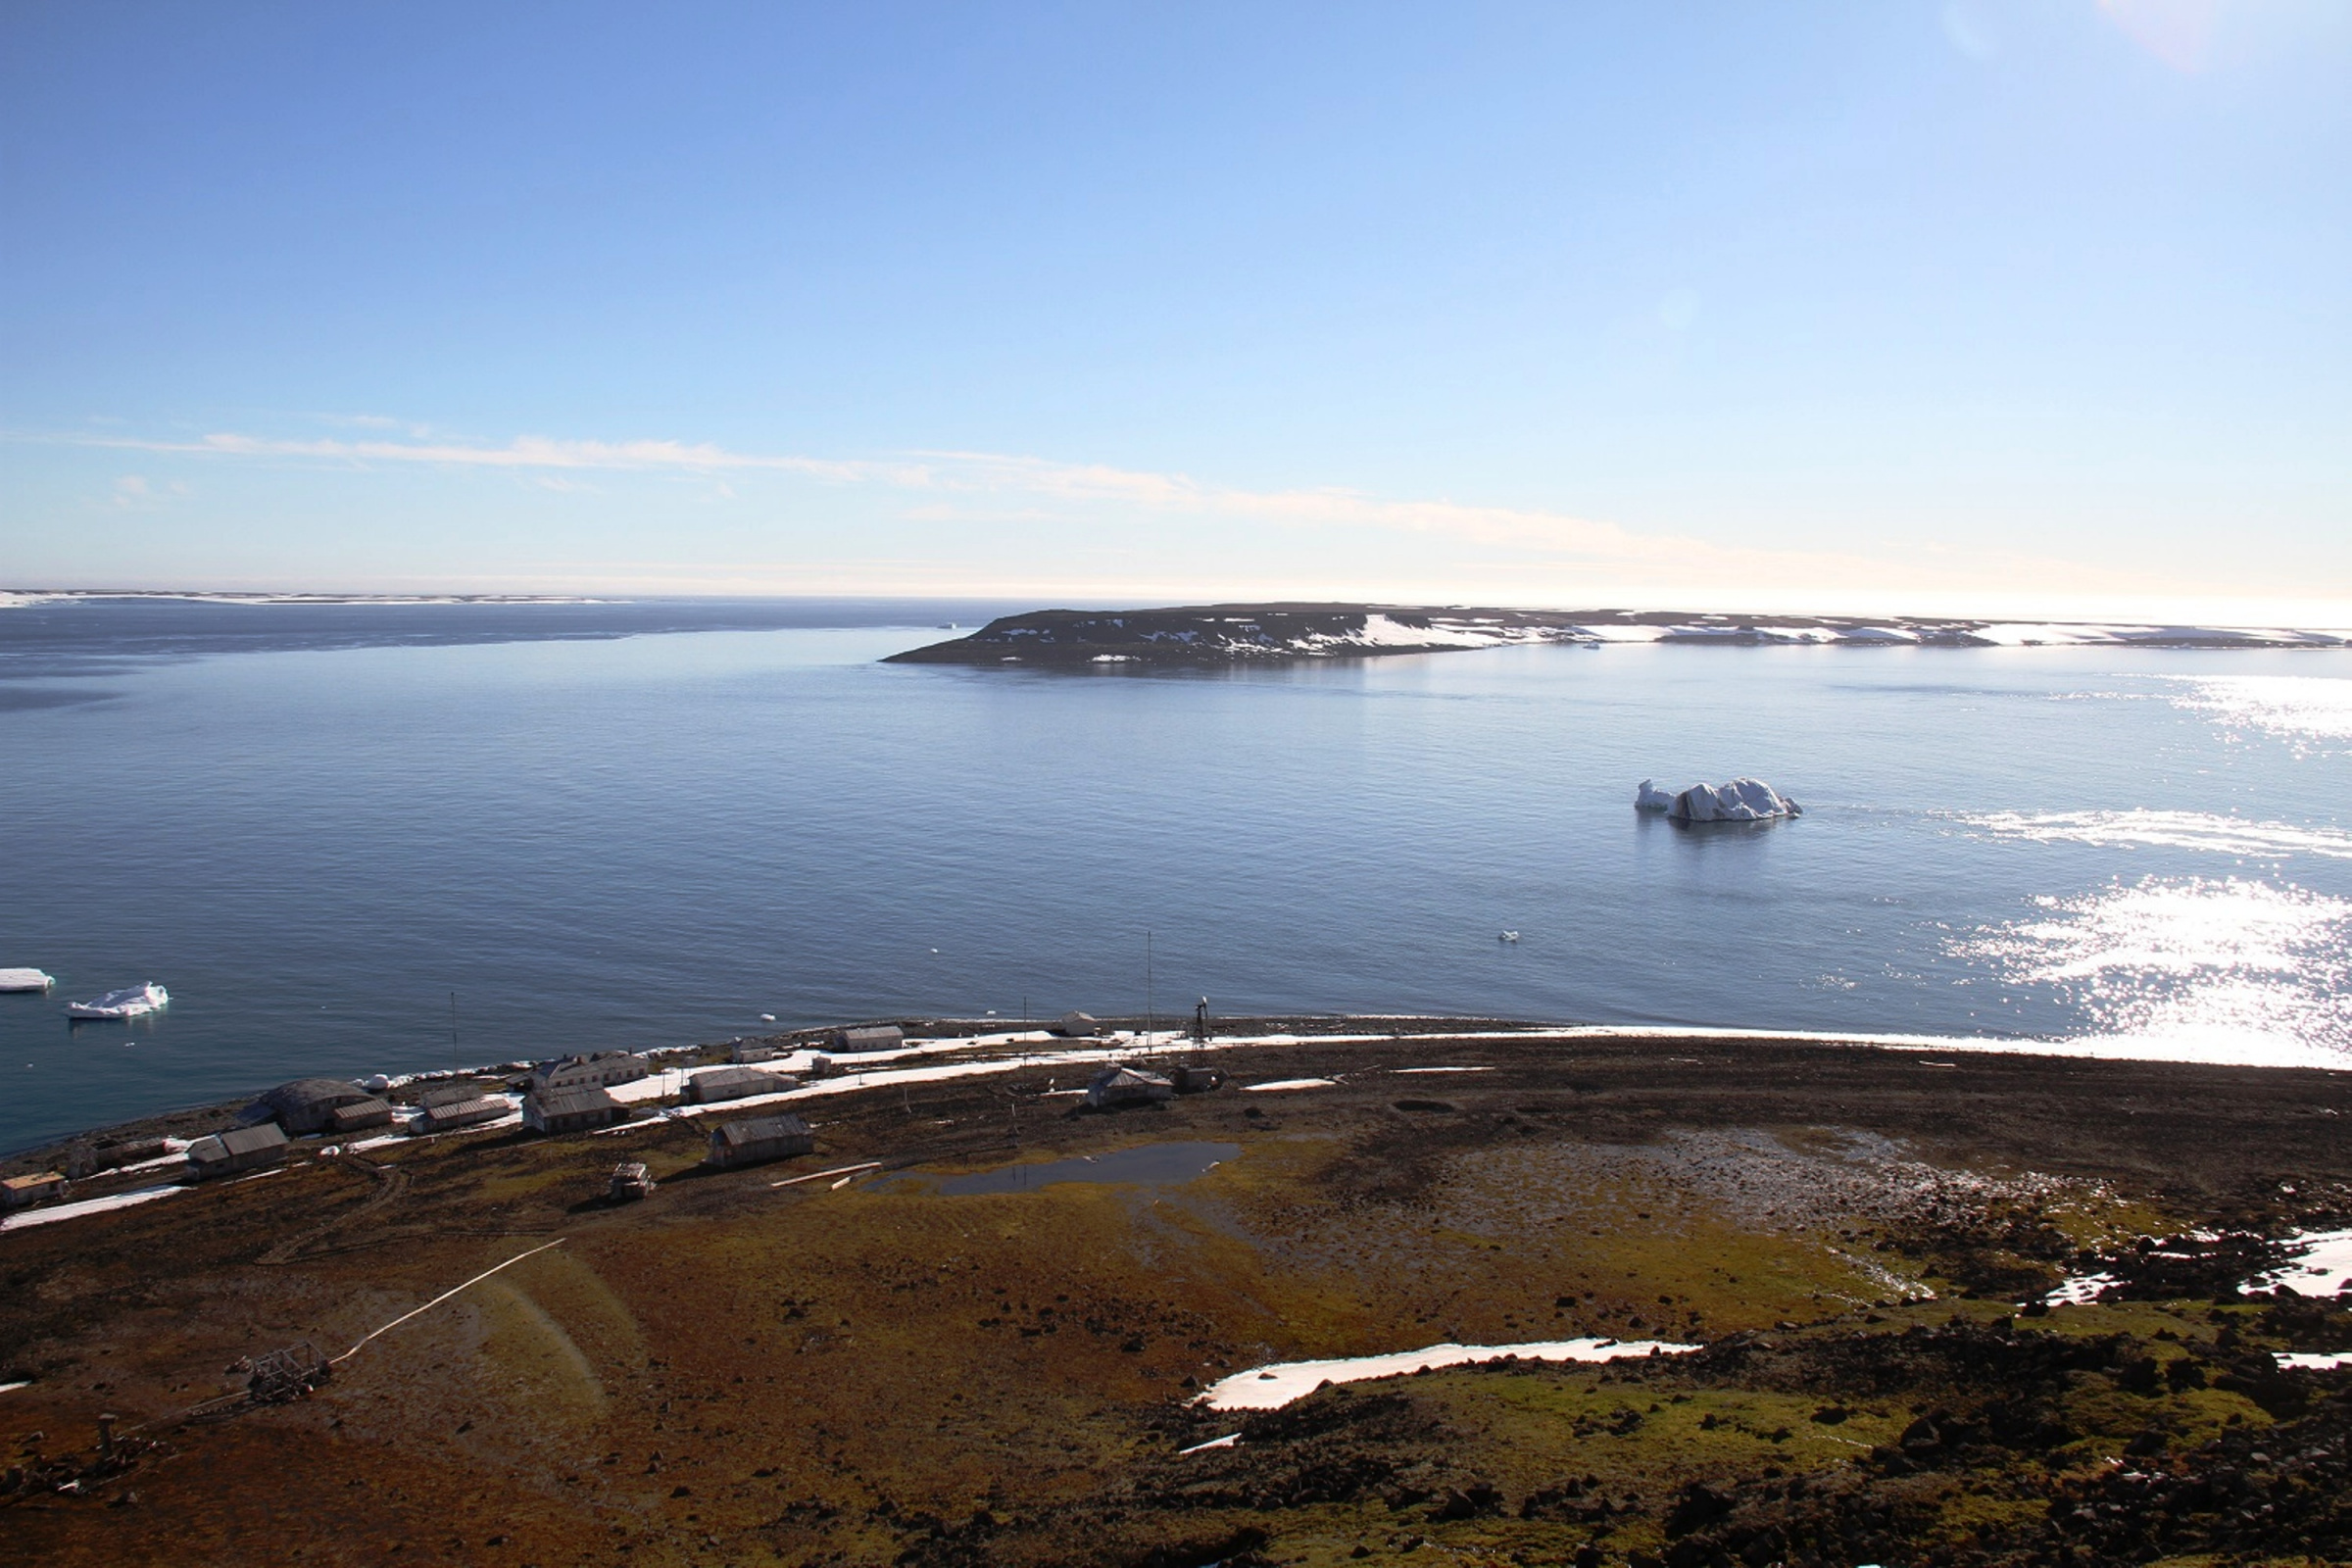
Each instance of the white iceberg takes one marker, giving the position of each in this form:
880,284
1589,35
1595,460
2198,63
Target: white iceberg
1743,800
24,980
131,1001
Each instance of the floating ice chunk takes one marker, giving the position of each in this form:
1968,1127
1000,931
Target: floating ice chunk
1650,797
24,980
1270,1388
132,1001
1743,800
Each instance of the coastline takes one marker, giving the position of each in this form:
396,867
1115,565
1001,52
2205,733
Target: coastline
995,1048
804,1359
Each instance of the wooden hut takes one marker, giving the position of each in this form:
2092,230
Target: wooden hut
469,1109
1079,1025
240,1149
734,1083
599,1069
41,1186
567,1111
312,1105
871,1037
1114,1088
762,1138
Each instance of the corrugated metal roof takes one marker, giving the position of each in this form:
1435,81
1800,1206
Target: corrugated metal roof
763,1129
313,1092
481,1105
238,1140
573,1102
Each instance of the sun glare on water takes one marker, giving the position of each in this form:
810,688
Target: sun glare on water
2218,970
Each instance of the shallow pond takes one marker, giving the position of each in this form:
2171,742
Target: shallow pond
1145,1165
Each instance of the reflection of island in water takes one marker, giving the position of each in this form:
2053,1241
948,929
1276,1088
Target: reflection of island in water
1228,634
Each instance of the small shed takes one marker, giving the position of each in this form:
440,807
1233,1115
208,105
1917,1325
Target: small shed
445,1115
309,1104
871,1037
599,1069
1079,1025
453,1094
359,1113
238,1149
762,1138
1117,1087
746,1051
1198,1080
567,1111
23,1191
734,1083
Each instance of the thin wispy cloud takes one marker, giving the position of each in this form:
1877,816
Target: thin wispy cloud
981,487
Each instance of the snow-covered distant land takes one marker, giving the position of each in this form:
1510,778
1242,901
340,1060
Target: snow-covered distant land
27,598
1216,634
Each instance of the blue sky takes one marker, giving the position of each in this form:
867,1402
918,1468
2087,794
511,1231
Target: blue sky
1917,304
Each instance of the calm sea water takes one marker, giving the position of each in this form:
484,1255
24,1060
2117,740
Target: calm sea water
645,824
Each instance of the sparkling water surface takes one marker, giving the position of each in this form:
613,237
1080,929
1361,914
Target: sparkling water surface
648,824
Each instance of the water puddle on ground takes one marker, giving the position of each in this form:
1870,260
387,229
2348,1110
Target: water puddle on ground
1145,1165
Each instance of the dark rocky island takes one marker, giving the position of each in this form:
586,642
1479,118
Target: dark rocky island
1239,634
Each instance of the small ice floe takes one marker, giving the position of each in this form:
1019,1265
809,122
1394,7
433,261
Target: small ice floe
767,1017
1225,1442
1743,800
1270,1388
132,1001
2306,1362
1284,1084
1509,936
26,980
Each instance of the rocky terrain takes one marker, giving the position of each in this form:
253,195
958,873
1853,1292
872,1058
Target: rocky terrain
863,1368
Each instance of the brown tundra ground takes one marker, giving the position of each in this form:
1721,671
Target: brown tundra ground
737,1372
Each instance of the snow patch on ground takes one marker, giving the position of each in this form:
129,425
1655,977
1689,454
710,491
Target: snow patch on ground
51,1214
1269,1388
2080,1291
2323,1265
